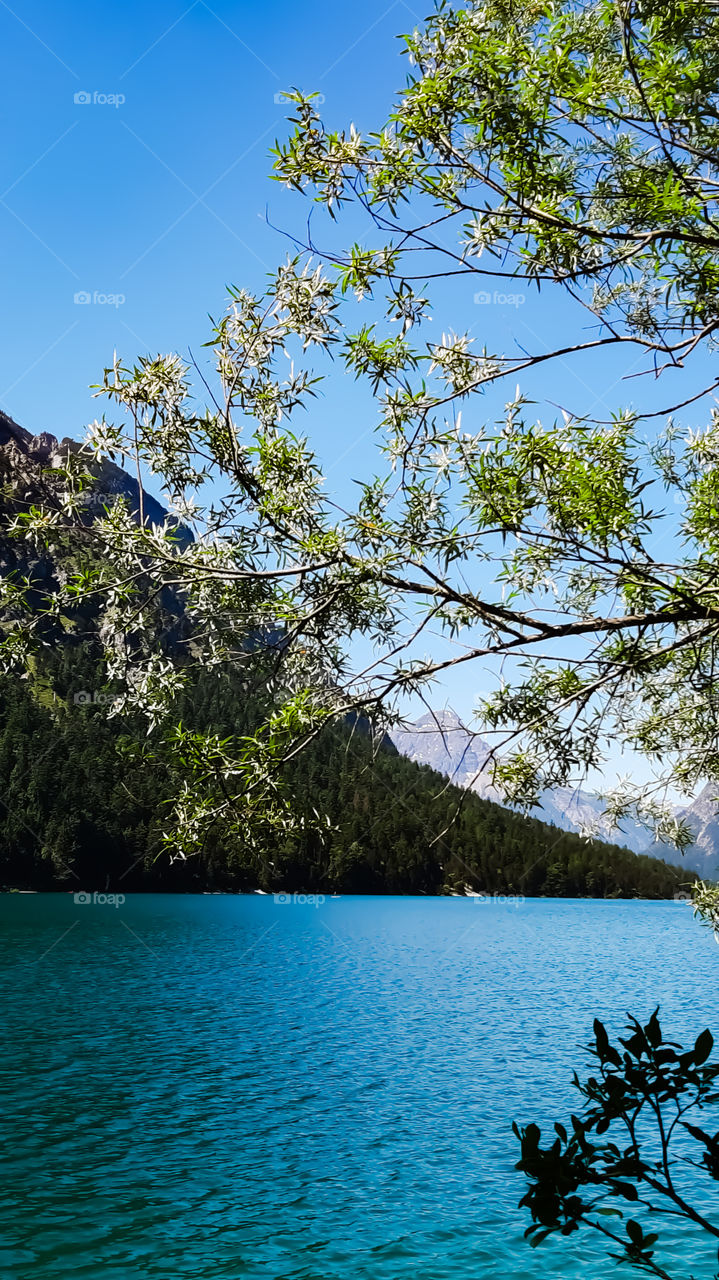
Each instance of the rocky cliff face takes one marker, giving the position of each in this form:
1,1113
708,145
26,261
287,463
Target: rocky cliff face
26,477
703,817
29,456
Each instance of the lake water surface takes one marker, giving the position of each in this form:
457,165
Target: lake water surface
216,1087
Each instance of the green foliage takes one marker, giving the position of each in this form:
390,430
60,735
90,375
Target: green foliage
564,145
85,803
639,1097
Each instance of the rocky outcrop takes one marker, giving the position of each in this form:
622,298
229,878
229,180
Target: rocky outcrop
27,477
30,456
703,818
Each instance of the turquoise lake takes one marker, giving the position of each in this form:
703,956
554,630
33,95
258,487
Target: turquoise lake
216,1087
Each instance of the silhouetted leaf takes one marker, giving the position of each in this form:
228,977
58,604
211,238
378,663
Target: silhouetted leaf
703,1046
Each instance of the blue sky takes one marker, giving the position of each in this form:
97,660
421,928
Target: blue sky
135,167
160,199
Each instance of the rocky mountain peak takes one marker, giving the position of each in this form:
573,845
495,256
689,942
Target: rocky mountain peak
45,450
441,740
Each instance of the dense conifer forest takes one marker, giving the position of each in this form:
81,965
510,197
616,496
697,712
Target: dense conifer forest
82,805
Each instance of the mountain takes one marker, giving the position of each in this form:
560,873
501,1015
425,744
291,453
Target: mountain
575,810
85,804
440,739
28,476
29,458
87,809
703,817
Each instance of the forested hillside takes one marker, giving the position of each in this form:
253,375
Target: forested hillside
83,807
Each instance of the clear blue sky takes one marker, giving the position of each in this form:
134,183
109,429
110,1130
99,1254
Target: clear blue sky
161,199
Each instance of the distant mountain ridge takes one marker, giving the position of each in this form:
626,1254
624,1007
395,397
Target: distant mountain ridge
439,739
